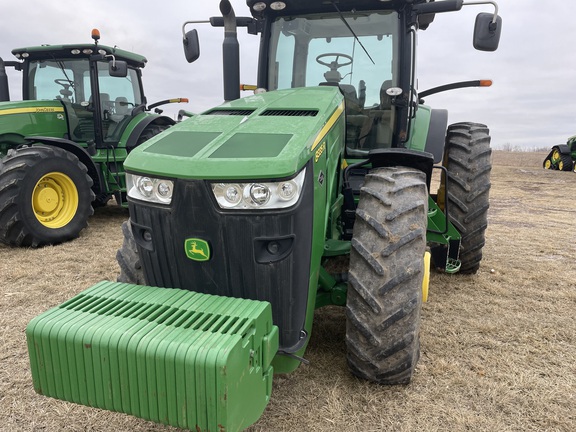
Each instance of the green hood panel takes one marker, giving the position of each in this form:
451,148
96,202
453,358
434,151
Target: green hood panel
32,118
269,135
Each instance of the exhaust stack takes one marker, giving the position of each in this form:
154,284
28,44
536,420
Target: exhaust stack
4,90
230,53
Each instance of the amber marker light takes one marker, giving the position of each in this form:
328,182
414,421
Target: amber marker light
96,34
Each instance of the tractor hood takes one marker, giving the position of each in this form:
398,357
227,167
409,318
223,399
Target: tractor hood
31,118
269,135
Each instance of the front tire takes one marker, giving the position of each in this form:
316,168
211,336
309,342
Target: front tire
385,277
467,160
129,259
45,196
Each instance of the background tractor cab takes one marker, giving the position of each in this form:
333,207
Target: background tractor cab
84,110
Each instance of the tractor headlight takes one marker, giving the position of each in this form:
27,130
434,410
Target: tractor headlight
259,195
149,189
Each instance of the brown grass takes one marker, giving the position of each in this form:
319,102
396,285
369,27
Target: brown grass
498,348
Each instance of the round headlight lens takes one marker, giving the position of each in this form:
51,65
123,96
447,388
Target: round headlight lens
259,194
233,194
277,5
259,7
287,190
164,190
145,186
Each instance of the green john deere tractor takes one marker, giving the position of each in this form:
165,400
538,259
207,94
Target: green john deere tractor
562,157
62,148
237,216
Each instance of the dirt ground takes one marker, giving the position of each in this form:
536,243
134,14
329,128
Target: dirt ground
498,347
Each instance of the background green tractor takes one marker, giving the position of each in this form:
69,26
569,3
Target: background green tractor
562,157
245,218
62,148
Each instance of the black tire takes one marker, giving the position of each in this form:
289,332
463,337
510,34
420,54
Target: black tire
467,158
101,200
565,163
385,277
548,164
129,259
45,196
149,131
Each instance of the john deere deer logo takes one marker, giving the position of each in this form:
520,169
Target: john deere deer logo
197,249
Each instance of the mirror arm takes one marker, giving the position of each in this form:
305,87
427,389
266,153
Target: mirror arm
113,60
191,22
469,3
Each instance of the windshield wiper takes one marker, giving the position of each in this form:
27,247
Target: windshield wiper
352,31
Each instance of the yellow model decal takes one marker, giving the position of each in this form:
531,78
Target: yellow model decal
319,152
33,110
328,125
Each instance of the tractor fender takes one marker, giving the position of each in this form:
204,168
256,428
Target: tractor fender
391,157
562,148
437,133
75,149
132,140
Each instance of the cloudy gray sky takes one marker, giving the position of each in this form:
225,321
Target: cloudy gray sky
532,103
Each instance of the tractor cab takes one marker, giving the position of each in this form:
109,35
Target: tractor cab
98,86
357,52
82,103
367,48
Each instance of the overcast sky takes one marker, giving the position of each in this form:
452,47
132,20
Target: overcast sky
532,103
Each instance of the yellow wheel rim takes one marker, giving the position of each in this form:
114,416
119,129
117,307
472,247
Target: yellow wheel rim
556,155
55,200
547,164
426,279
561,166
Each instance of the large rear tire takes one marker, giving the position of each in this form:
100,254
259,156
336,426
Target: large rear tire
385,277
129,259
45,196
565,163
149,131
467,159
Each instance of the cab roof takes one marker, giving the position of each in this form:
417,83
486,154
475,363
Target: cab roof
297,7
45,52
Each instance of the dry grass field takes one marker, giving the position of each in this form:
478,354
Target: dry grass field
498,347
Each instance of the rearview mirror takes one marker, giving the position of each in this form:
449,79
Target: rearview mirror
487,32
191,46
118,68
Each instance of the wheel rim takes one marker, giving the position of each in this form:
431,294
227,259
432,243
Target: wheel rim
556,155
561,166
55,200
548,164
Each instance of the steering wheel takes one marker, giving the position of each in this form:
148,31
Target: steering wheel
334,65
66,93
64,83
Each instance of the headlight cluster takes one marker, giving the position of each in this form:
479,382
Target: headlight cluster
149,189
259,195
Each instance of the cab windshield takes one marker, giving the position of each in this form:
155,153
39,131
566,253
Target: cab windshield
321,50
68,80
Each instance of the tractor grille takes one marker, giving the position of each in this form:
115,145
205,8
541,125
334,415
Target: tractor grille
239,265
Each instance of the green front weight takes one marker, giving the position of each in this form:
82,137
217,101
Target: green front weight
177,357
